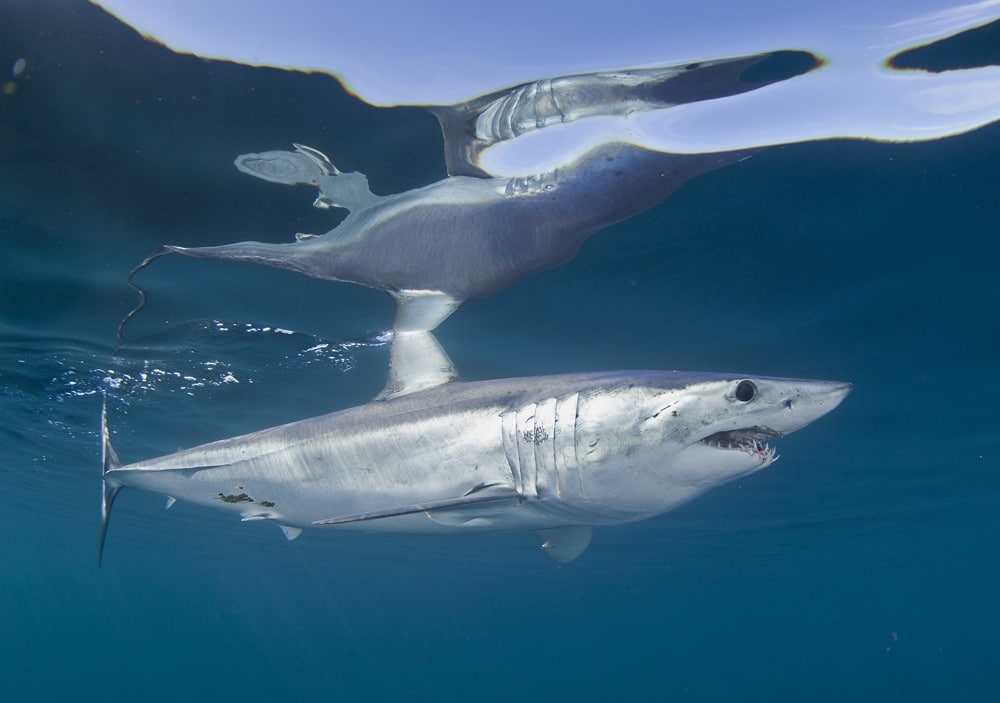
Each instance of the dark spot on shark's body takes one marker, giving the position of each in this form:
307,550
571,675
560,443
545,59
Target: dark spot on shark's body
536,436
241,498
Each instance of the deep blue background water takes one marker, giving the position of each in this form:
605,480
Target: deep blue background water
863,564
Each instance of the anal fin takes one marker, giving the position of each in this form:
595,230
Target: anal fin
290,531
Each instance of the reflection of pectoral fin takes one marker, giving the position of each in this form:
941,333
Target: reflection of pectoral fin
308,166
565,544
479,496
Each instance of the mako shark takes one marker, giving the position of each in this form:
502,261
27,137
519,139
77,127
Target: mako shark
554,455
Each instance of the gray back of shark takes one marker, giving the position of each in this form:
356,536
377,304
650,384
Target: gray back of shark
555,455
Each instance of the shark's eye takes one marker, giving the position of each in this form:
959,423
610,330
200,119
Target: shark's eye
746,391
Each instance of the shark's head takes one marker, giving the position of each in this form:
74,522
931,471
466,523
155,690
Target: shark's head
666,438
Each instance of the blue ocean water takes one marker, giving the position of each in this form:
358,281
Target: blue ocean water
862,564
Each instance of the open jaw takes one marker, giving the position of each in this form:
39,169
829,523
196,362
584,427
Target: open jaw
752,440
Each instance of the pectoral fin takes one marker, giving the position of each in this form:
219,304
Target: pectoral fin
565,544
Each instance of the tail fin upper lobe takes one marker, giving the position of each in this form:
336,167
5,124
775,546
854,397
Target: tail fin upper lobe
110,487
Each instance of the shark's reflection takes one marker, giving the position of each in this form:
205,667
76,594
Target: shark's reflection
461,237
473,234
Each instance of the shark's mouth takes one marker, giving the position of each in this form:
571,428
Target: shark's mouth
752,440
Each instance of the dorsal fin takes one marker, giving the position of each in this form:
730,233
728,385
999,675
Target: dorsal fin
416,359
416,362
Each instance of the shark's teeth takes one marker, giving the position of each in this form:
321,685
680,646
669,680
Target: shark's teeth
752,440
765,453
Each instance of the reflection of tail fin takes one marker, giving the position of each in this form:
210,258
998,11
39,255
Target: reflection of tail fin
471,127
111,488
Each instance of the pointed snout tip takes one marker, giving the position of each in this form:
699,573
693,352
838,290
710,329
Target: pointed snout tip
828,394
836,391
832,387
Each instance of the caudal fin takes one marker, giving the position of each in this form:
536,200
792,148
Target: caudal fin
110,487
